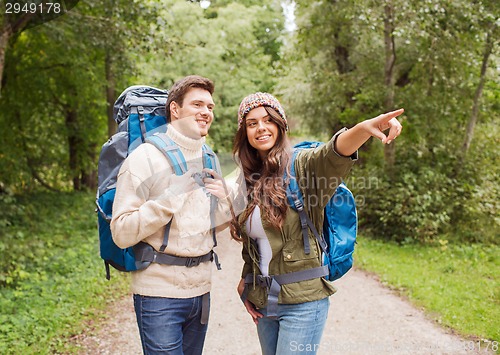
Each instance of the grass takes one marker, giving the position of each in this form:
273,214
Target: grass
457,285
52,279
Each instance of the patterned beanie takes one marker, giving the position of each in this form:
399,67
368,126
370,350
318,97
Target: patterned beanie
257,100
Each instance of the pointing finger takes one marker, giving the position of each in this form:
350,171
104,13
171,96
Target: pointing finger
386,117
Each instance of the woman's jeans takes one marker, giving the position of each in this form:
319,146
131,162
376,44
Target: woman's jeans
170,325
296,330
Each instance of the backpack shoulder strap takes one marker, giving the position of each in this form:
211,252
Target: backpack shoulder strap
210,161
171,151
295,200
176,159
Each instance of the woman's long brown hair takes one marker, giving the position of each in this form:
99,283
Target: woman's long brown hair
264,178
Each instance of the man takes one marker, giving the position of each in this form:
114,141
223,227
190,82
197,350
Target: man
171,301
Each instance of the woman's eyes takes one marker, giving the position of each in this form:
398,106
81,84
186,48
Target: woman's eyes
253,124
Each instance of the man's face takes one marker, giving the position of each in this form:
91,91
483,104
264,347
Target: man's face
195,116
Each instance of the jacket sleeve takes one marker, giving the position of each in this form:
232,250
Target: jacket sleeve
319,171
136,213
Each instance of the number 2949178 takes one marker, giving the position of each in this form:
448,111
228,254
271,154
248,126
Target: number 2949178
13,7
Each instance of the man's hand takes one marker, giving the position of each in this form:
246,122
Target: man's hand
214,183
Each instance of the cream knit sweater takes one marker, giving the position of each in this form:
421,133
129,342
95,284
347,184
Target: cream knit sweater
146,199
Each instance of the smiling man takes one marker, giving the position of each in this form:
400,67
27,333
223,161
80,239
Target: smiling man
171,299
190,106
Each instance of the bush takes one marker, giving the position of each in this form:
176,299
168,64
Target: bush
51,276
414,208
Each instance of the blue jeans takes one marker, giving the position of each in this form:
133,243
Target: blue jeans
170,325
296,330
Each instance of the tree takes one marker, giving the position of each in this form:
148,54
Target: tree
419,55
15,20
469,132
60,66
237,55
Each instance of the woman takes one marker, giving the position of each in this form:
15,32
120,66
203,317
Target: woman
271,230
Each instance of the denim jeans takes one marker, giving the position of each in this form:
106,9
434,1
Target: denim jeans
296,330
170,325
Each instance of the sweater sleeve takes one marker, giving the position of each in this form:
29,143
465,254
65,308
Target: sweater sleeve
144,202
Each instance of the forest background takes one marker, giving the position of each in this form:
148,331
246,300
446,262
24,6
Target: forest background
331,64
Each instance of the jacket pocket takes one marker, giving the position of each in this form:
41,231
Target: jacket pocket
294,257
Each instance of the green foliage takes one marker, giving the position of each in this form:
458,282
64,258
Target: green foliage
53,103
416,207
329,73
237,55
52,278
12,212
336,75
457,285
427,198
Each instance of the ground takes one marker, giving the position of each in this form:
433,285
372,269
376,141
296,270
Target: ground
364,318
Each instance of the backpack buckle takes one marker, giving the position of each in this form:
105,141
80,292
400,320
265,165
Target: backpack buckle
298,204
190,262
264,280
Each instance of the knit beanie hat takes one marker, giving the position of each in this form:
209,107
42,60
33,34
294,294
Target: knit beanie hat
257,100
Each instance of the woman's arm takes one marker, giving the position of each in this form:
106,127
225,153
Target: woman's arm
349,141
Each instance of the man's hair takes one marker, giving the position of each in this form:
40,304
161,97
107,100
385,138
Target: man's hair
182,86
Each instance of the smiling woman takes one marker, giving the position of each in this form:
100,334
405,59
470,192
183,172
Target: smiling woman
283,285
262,130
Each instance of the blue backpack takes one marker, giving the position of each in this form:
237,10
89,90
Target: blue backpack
339,226
140,114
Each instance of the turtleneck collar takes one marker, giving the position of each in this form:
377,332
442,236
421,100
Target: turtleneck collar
183,141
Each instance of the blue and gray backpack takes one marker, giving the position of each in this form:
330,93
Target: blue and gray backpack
140,114
340,222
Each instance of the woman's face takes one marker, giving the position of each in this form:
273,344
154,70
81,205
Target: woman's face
262,131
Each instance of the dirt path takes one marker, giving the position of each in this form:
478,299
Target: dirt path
365,318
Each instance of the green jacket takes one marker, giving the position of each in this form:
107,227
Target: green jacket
319,171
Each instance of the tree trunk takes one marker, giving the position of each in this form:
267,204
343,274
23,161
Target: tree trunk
4,42
390,59
110,94
469,132
89,178
73,142
8,29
